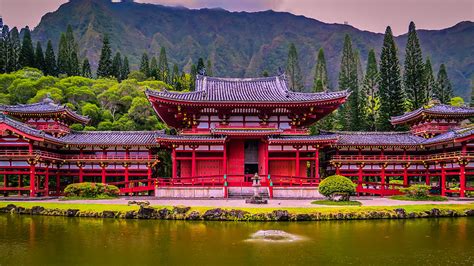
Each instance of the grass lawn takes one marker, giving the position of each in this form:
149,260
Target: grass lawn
428,198
337,203
296,210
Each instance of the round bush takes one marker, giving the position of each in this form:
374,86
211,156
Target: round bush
91,190
416,191
335,185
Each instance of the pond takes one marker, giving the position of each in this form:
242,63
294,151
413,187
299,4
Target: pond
42,240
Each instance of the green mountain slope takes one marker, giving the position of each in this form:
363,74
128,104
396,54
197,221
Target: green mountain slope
240,43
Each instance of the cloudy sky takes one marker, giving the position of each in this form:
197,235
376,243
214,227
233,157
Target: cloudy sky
371,15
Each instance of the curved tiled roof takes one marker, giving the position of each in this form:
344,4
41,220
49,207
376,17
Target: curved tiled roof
111,137
245,131
46,106
246,90
303,138
450,135
25,128
438,109
376,138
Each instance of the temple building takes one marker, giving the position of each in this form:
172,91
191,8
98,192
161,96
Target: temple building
228,130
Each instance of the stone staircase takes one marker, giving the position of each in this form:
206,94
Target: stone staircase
246,192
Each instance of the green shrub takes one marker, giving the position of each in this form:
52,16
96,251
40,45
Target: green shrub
416,191
337,185
91,190
396,182
470,194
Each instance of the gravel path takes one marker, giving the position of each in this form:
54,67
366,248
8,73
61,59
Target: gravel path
241,202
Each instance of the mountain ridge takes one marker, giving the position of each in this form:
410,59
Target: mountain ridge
241,44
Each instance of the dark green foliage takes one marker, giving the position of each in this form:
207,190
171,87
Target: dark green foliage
336,185
209,68
392,97
105,63
27,53
193,73
416,191
125,69
163,68
39,57
321,79
200,66
145,65
68,62
91,190
443,89
50,67
350,115
370,99
13,47
176,78
414,70
117,66
154,72
86,69
293,70
3,48
429,82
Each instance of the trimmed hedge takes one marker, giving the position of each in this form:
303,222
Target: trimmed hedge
337,185
91,190
416,191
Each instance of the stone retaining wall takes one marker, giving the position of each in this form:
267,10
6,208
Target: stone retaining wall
218,214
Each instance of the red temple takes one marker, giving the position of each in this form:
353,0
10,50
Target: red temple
227,130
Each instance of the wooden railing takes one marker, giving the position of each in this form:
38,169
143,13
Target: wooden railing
293,181
203,181
402,158
11,154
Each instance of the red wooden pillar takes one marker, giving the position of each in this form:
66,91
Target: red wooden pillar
174,163
462,179
46,180
104,180
382,179
224,159
316,164
405,174
297,170
81,172
359,179
427,175
58,182
193,162
267,155
32,179
443,180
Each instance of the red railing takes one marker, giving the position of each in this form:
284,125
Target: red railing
203,181
293,181
85,157
378,188
401,158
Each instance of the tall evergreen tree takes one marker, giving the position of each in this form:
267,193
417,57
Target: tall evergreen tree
351,116
4,48
370,99
13,51
413,71
293,70
68,61
209,68
429,82
154,71
194,72
145,65
321,79
200,66
392,97
125,69
62,55
117,67
86,69
163,68
105,63
358,64
175,76
39,57
27,52
444,89
50,67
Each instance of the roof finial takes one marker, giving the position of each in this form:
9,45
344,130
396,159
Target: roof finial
434,100
48,98
281,71
202,71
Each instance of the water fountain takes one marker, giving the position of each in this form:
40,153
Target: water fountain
278,236
256,198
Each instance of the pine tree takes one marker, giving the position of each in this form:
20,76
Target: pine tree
358,63
86,69
471,104
39,57
105,63
413,71
13,51
444,90
351,117
200,66
125,69
175,76
62,55
209,68
392,97
154,71
145,65
429,82
370,100
4,48
321,80
293,70
73,67
194,72
50,67
27,52
163,68
116,70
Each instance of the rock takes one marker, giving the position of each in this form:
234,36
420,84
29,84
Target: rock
237,214
214,214
281,215
303,217
400,213
194,215
108,214
36,210
412,215
20,210
163,213
71,212
146,213
450,213
469,212
130,215
180,209
435,212
10,207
